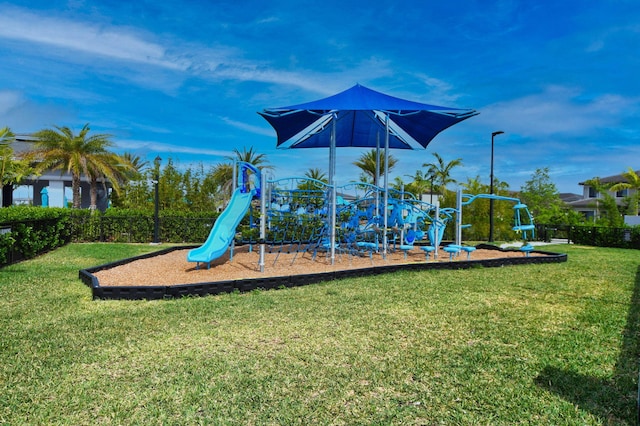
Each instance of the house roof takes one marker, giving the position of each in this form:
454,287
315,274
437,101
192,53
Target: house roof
589,203
613,179
568,197
23,143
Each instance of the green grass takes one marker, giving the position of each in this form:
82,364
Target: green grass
532,344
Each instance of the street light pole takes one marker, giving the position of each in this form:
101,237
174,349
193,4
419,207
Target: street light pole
156,219
493,135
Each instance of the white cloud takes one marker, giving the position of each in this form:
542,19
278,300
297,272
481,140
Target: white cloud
152,146
112,42
140,48
438,89
557,110
265,131
9,99
24,116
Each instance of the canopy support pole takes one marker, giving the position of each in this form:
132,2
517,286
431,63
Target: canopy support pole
332,175
436,230
386,188
459,217
376,178
263,216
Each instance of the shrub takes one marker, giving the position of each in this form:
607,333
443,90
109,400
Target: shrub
29,231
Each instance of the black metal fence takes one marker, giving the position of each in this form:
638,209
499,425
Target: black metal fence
139,229
25,239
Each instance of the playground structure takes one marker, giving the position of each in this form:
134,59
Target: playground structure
296,216
223,233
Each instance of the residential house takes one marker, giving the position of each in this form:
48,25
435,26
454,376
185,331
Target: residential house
590,202
52,188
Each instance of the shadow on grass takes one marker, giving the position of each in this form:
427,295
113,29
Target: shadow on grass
613,399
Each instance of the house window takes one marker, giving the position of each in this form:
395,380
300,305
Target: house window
622,193
23,195
592,192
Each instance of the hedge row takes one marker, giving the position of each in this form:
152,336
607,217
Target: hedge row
598,236
26,232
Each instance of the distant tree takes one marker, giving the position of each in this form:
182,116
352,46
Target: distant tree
367,164
199,189
311,192
78,154
222,176
134,189
633,183
441,171
103,166
419,185
6,136
542,198
317,174
222,173
12,170
398,184
135,166
606,207
252,157
476,214
171,187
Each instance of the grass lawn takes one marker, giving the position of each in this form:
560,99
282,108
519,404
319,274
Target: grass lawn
533,344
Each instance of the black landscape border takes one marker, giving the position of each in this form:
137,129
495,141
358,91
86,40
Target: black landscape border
286,281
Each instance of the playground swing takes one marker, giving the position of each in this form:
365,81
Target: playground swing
523,221
523,227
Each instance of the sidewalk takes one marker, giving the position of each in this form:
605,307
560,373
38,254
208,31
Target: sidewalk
535,243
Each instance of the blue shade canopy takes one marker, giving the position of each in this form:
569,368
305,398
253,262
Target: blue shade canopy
360,116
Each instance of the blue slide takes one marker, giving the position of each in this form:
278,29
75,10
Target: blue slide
224,229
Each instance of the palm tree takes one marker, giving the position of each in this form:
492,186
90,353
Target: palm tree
135,164
6,136
81,154
420,184
251,157
367,163
105,166
317,174
633,182
441,171
223,172
12,170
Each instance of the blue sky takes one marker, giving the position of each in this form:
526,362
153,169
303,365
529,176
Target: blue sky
185,79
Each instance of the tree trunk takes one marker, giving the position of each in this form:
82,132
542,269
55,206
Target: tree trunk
93,193
75,187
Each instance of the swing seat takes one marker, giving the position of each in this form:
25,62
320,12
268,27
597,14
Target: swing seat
468,250
427,250
526,249
451,249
